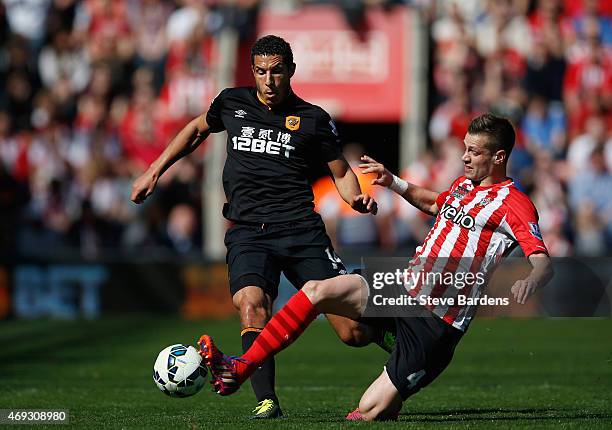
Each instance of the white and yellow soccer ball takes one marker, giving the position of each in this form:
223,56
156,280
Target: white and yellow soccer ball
179,371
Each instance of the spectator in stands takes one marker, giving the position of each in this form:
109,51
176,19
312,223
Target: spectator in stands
588,83
63,60
27,18
589,193
149,24
549,197
544,126
592,16
581,147
546,67
182,229
191,15
503,28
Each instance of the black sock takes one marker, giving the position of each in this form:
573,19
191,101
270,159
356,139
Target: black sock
263,378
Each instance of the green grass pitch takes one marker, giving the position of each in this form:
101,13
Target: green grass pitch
505,374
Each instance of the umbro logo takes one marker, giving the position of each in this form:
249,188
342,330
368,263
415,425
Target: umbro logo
240,114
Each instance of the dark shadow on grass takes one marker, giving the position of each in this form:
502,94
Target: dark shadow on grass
464,411
54,338
477,415
493,414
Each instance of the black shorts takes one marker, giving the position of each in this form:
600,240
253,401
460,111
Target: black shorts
256,256
424,347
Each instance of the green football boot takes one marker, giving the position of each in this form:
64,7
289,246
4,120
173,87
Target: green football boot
267,409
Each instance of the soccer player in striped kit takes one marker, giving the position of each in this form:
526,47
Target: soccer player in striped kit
479,220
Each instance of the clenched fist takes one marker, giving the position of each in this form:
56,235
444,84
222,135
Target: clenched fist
143,186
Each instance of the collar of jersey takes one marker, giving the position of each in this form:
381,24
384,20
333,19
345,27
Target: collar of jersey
278,108
498,184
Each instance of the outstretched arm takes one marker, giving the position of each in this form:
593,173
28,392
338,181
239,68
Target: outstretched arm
185,142
541,273
349,189
419,197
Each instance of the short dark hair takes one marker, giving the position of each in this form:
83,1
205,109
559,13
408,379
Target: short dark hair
499,131
272,45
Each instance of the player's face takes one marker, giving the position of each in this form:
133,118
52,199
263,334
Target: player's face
478,161
272,78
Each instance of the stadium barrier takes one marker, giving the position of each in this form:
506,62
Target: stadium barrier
193,288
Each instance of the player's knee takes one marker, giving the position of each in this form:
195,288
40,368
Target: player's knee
253,314
315,291
253,310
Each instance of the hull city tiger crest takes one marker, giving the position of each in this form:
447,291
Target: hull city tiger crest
292,123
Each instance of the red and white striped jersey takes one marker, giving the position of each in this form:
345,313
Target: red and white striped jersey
475,228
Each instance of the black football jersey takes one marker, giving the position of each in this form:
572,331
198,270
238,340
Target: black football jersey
270,154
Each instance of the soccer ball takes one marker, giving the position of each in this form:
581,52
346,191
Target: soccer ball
179,371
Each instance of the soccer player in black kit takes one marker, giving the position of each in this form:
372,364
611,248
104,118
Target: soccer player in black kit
275,140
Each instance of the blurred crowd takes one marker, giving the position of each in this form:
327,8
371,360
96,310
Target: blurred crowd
91,91
546,65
